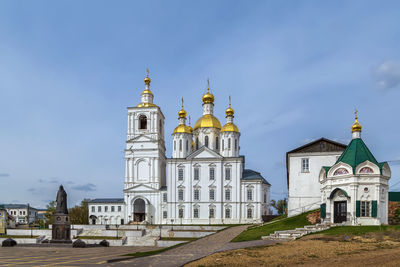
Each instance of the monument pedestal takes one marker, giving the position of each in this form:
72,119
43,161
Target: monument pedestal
61,232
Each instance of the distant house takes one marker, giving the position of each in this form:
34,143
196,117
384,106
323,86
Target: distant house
303,166
22,213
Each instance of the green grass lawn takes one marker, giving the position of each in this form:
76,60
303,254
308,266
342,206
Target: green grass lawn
255,233
98,237
359,230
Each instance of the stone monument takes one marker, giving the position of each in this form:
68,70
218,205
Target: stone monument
61,232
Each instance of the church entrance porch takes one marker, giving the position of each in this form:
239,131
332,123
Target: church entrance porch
139,210
339,211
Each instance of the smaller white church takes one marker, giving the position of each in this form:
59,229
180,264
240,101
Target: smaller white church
355,189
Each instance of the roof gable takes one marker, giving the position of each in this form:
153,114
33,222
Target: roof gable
320,145
204,152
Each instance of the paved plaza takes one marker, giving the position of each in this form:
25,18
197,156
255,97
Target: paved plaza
98,256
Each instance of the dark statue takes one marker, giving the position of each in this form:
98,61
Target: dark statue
61,201
61,228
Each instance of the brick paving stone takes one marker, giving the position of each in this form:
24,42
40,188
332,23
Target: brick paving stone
189,252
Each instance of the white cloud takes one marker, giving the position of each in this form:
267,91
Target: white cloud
388,74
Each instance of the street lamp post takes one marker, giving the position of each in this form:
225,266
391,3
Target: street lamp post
172,222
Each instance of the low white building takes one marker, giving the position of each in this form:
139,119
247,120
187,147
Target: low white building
22,213
106,211
354,190
303,166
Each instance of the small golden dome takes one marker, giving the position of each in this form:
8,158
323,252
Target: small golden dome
182,113
229,111
208,97
146,105
230,127
356,126
182,128
207,121
147,80
147,91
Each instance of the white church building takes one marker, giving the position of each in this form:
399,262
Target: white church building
204,182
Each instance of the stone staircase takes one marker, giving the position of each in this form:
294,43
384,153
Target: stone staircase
299,232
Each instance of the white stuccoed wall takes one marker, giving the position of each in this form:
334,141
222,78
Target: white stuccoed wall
304,188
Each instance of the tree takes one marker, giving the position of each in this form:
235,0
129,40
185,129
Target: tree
280,206
80,214
49,215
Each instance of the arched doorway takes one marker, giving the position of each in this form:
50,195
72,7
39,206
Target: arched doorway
139,210
93,219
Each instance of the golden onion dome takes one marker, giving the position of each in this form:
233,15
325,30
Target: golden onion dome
229,111
207,121
182,113
356,126
230,127
147,80
208,97
182,128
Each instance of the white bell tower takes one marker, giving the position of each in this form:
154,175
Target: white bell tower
145,145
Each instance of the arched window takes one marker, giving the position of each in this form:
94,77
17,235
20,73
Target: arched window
223,145
206,141
341,171
366,170
217,143
187,145
160,127
180,145
142,122
174,145
236,145
229,143
197,143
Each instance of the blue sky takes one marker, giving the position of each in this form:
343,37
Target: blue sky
295,70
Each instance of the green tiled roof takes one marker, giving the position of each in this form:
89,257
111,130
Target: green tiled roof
357,152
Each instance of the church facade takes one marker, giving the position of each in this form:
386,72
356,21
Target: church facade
205,180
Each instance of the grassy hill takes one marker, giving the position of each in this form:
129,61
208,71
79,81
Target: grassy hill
255,233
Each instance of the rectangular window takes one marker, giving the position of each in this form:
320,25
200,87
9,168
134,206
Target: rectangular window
196,173
196,213
105,208
212,173
112,209
211,213
212,194
227,213
93,209
180,194
165,197
227,173
305,165
365,208
196,194
164,214
180,174
227,194
180,213
99,208
249,213
249,194
119,208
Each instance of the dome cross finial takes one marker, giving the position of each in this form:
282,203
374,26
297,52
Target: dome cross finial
208,84
229,101
147,80
355,113
147,71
